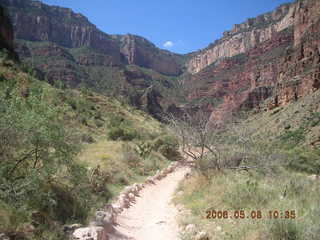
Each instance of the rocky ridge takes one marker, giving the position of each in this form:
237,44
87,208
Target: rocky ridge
243,37
280,70
68,49
73,30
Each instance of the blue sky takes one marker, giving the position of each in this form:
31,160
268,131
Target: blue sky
180,26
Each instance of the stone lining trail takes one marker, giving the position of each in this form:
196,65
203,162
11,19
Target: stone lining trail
141,211
153,216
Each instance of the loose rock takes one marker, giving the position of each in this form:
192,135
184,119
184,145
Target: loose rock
191,228
202,236
89,233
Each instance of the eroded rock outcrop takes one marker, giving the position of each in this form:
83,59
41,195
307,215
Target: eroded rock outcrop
268,72
139,51
244,37
67,48
36,21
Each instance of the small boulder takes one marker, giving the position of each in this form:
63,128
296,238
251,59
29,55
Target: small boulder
117,208
314,177
103,218
88,233
180,193
150,180
218,229
131,197
4,237
191,228
202,236
71,228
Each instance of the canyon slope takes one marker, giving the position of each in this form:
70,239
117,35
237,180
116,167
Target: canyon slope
268,61
71,51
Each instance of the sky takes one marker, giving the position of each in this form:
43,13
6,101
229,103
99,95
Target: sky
181,26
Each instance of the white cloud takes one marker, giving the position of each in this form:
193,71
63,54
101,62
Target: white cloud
168,44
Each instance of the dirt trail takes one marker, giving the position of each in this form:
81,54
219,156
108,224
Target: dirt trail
153,216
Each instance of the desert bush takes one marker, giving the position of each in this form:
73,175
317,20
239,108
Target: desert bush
207,165
131,156
315,119
37,168
98,123
293,137
121,129
143,149
122,133
59,203
152,163
168,146
305,160
87,138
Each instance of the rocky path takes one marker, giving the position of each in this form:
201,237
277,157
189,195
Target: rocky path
152,216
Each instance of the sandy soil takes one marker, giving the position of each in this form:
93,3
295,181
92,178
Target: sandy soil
153,216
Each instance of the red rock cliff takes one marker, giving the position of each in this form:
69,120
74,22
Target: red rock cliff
243,37
276,64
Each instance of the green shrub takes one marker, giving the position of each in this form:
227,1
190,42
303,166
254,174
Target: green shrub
37,171
143,149
122,133
315,119
121,129
153,163
130,156
207,165
293,137
59,203
305,160
168,146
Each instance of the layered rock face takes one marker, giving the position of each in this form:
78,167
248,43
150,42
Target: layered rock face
275,64
299,73
67,48
141,52
243,37
35,21
272,59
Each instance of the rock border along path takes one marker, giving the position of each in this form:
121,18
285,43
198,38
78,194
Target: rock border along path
118,221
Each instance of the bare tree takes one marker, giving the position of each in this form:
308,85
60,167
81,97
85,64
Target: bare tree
233,146
196,139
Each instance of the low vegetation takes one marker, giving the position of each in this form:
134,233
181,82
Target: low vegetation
64,153
254,184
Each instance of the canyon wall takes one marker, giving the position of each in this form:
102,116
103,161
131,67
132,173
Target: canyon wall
38,22
263,63
71,51
262,67
244,37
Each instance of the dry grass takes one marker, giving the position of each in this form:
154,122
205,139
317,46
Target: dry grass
229,192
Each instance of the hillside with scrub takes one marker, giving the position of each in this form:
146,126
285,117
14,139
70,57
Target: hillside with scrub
66,153
259,175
